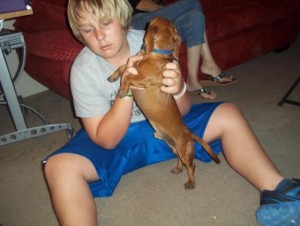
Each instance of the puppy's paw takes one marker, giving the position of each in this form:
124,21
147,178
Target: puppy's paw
176,170
112,78
122,94
189,185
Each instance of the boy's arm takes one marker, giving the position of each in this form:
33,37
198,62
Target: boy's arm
108,130
184,104
173,83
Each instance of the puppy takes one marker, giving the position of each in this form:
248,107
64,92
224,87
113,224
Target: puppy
161,45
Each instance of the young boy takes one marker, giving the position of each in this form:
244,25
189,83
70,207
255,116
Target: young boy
116,138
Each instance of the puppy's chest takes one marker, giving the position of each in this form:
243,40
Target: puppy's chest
153,67
154,103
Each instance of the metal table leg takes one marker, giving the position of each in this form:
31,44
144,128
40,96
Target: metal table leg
286,96
10,41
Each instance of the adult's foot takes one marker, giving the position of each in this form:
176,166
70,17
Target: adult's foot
200,90
216,76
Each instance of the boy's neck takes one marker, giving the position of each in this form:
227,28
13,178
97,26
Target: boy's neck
121,57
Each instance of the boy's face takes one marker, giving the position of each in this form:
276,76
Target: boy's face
105,38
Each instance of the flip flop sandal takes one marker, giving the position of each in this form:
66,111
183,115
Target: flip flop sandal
200,91
216,81
204,91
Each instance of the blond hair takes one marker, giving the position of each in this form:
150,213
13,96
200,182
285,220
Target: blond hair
102,9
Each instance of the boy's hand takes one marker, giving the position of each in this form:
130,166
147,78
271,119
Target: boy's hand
172,81
130,70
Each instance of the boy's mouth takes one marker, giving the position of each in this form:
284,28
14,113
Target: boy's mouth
105,47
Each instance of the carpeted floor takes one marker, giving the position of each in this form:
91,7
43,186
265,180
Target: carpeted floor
152,196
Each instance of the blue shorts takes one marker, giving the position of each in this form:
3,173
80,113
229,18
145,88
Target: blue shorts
137,149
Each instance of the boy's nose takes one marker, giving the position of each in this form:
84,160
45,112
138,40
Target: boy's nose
100,35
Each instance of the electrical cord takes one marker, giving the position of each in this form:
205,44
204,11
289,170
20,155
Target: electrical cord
36,112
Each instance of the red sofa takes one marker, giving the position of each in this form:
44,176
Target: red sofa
237,30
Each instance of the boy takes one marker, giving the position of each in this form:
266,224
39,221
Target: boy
117,139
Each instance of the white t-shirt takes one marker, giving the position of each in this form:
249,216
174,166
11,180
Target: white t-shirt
93,95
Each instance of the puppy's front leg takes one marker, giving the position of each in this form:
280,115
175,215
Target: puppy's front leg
118,73
125,86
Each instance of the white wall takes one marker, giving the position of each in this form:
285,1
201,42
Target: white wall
26,86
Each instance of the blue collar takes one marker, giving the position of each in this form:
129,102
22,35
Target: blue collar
162,51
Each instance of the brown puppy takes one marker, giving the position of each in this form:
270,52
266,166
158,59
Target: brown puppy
162,44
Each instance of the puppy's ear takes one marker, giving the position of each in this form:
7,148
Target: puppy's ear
177,43
149,38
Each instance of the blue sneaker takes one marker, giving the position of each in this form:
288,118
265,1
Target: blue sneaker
280,207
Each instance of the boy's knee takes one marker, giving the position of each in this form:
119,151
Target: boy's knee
233,107
230,111
56,165
67,165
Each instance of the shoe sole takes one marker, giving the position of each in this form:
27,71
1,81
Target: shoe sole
287,214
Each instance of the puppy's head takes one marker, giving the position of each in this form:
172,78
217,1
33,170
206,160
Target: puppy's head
161,34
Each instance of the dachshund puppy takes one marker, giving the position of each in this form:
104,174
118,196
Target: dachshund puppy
161,45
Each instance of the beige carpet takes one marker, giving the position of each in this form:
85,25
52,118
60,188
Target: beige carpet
152,196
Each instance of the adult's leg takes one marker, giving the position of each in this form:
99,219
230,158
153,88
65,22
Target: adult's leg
241,148
209,66
191,27
171,12
67,176
193,60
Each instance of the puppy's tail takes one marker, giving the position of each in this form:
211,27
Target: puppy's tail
207,148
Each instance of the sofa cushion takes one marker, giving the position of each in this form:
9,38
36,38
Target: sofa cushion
278,10
209,4
43,12
245,16
57,45
62,3
222,22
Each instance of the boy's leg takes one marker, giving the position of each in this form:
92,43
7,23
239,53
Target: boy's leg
280,198
241,148
67,176
82,170
282,206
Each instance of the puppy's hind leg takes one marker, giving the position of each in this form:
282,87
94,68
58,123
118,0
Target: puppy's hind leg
178,169
186,155
190,184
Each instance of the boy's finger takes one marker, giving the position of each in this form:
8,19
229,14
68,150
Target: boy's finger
133,59
172,66
131,70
